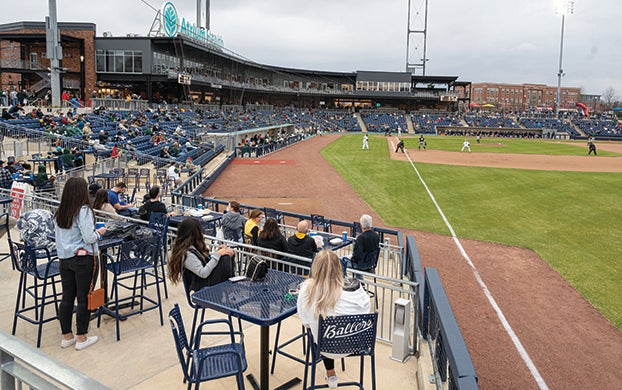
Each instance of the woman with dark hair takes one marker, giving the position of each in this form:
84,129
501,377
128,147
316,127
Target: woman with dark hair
190,258
271,237
102,203
233,223
251,227
76,245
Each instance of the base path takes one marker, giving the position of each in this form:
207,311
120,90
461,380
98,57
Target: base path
572,345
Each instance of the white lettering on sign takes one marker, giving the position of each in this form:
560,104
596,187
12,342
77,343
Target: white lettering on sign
349,329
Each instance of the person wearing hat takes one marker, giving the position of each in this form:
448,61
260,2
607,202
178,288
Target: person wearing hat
6,178
190,166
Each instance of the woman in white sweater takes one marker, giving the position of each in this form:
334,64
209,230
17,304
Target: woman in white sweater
328,294
190,258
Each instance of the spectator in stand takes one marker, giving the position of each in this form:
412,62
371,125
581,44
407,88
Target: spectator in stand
328,294
366,242
252,228
271,237
173,174
300,243
190,166
190,258
153,205
164,153
119,204
233,223
102,203
6,115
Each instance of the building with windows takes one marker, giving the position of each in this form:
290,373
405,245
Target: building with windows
519,97
187,68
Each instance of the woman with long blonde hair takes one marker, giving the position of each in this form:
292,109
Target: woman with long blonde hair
328,294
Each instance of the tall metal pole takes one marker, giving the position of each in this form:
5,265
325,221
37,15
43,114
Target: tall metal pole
564,8
54,52
560,73
199,13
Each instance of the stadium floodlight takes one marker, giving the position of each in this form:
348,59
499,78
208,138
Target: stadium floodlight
564,8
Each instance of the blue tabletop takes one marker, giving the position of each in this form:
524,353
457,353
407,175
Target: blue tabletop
108,175
262,303
327,237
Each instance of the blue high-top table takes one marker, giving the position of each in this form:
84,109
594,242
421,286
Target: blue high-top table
263,303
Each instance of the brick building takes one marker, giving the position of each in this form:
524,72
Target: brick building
23,62
519,97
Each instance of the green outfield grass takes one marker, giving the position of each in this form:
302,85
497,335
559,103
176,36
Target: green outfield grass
507,145
571,219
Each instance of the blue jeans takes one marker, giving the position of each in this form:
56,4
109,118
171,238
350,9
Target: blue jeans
346,263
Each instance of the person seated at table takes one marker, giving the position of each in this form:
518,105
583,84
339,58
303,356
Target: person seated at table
251,227
328,294
190,258
173,174
78,159
232,223
272,238
153,204
300,243
102,203
120,205
42,180
66,159
366,242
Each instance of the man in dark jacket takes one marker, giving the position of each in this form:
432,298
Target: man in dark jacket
300,243
365,245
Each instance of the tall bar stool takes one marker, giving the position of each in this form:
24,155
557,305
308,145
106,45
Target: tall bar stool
38,272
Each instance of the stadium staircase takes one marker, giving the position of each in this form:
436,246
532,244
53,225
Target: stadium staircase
361,122
409,124
577,128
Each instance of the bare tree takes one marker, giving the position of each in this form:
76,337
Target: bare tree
609,97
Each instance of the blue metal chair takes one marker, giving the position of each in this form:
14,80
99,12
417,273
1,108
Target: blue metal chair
135,261
42,276
319,222
354,335
208,363
158,222
6,228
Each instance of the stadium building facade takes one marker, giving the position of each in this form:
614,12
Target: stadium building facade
183,69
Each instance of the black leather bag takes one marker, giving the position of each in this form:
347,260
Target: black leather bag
256,269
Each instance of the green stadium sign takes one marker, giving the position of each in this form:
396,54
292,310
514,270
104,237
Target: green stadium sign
171,26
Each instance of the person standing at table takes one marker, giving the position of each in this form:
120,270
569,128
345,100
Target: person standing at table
251,227
190,258
328,294
76,245
366,243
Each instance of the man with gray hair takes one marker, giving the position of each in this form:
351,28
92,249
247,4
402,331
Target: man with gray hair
364,255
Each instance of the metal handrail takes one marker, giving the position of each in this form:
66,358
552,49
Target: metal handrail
24,364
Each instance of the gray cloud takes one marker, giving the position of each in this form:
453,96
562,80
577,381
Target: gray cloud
479,40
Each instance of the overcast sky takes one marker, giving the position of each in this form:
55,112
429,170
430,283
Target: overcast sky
476,40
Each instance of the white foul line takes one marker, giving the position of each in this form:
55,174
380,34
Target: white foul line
506,325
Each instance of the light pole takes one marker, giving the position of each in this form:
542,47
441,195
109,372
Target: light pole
564,8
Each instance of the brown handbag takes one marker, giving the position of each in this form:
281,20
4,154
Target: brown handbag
95,296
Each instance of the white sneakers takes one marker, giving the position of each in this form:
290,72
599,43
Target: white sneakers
86,343
332,381
68,343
